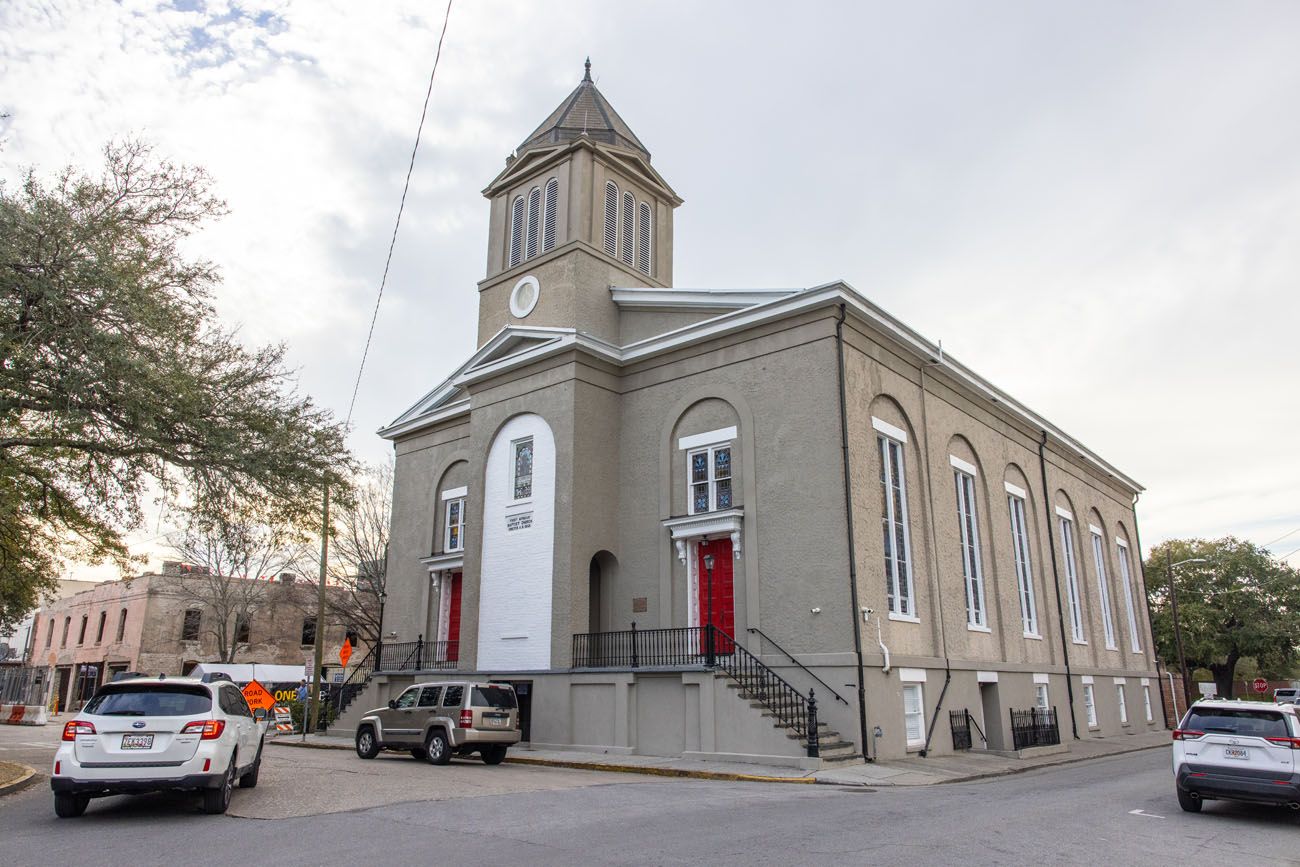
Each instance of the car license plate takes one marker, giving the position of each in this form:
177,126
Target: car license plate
137,742
1236,753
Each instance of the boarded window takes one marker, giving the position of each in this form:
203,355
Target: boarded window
193,619
308,630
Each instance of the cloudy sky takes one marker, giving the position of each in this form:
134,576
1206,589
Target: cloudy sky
1096,205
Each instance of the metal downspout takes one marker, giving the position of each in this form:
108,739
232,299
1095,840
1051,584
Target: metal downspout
853,553
934,554
1151,628
1056,580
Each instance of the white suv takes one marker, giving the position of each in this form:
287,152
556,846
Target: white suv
1238,750
158,733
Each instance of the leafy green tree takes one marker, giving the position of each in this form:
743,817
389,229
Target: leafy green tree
1239,603
116,382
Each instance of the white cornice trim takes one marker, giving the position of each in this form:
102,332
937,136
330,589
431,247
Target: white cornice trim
639,298
1015,490
889,430
444,562
708,438
727,522
1065,513
965,466
455,493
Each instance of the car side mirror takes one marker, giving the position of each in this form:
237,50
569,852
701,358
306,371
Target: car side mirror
392,704
260,714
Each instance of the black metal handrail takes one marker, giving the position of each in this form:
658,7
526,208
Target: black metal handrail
1036,727
419,655
765,685
790,657
959,721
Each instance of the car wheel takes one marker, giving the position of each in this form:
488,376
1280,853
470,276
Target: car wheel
419,753
437,748
249,780
215,801
68,805
1188,803
494,755
367,746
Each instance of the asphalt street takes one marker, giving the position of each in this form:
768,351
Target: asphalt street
1115,811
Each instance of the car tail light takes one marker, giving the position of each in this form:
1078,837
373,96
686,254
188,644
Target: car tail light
1293,743
467,719
207,729
207,765
77,727
1187,734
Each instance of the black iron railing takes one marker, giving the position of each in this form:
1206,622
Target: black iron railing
635,648
790,656
959,721
419,655
340,695
1036,727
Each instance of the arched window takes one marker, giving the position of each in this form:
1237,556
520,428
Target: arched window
629,204
534,221
611,218
517,231
548,222
643,239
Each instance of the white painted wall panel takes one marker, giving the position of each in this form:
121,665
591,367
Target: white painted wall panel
516,572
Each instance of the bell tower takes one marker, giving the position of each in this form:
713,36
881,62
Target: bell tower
577,210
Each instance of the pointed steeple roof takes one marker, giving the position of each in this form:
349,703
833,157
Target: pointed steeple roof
584,112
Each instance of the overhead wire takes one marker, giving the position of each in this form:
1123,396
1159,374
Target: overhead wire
374,316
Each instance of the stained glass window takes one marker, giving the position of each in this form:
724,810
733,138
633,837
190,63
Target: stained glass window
710,482
455,523
523,469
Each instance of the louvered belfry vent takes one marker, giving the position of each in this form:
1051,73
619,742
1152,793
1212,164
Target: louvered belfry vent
534,220
516,231
548,223
611,218
643,239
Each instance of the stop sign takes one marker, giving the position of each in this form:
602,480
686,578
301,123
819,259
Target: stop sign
1261,685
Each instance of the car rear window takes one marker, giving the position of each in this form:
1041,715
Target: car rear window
494,696
1253,723
129,699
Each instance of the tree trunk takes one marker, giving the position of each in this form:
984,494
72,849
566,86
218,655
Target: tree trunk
1224,674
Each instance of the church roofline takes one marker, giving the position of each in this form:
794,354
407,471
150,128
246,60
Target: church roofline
781,306
537,160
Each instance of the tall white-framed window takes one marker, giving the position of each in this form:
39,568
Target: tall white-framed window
453,533
708,470
1126,579
894,526
629,205
1041,699
1024,571
611,218
1103,588
521,468
1123,705
914,714
534,222
1146,702
976,615
548,214
1071,576
1089,705
517,231
643,232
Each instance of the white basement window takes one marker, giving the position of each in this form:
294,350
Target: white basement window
914,714
1089,705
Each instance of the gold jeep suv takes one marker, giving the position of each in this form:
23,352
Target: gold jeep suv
436,720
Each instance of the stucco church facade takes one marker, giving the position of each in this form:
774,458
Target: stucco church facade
661,511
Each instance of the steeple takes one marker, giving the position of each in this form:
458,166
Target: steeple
584,112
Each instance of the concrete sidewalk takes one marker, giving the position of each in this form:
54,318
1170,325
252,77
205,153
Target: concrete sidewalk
961,767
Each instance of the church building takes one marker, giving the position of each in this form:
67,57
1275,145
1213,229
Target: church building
677,518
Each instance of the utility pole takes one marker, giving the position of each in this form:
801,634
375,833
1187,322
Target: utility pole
1178,633
320,618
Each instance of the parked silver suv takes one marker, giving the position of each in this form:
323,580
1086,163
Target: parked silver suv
436,720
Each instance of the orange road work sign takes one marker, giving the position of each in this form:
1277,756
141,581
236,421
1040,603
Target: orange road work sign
258,696
345,653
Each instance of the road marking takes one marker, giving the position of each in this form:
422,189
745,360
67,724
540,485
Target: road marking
1144,814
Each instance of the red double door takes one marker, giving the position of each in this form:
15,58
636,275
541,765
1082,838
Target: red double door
453,619
716,594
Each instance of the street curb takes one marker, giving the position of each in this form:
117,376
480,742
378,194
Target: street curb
1073,761
756,778
613,768
28,779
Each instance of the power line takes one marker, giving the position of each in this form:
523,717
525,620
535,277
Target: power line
1280,538
401,206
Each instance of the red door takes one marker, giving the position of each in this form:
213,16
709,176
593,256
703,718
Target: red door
724,599
453,620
